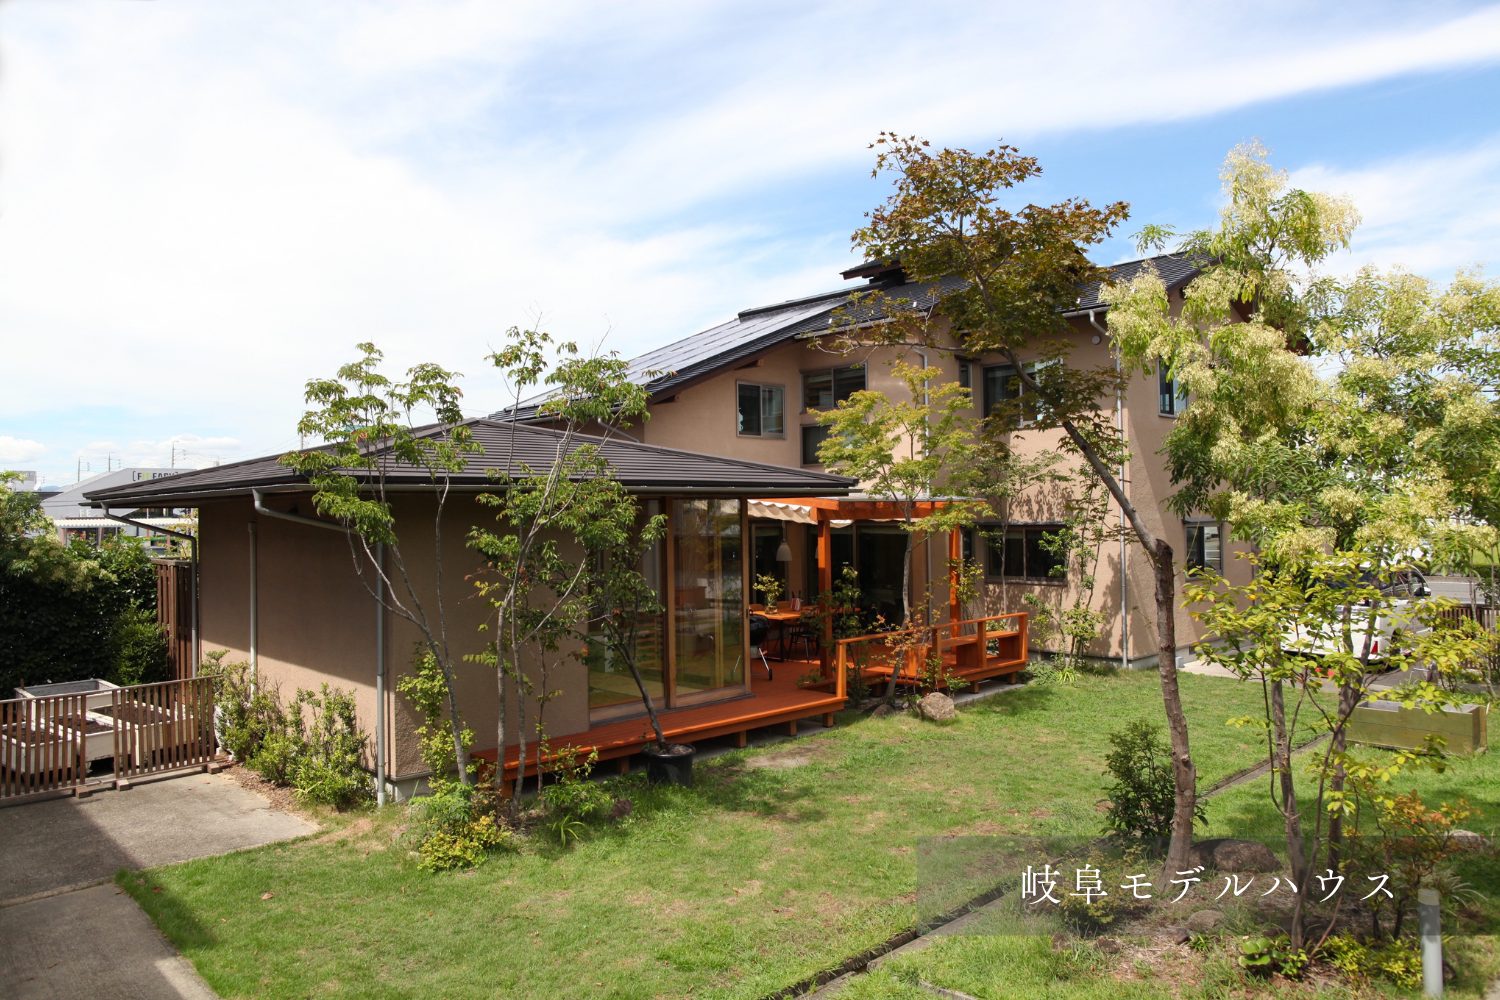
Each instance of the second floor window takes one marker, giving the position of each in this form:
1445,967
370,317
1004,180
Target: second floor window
762,410
826,389
813,435
1002,383
1173,399
1205,546
1020,553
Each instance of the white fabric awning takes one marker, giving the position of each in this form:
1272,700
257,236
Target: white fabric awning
104,522
774,510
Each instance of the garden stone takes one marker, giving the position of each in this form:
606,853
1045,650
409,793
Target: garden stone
937,707
1176,934
1205,921
1230,855
1468,840
881,711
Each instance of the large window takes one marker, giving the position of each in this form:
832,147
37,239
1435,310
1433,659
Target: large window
1205,547
612,689
813,436
762,410
826,389
1022,553
1173,399
708,575
1002,384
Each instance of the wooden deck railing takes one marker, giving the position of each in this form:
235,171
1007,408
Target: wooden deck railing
48,742
42,746
970,650
163,727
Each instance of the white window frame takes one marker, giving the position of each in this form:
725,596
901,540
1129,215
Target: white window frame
1190,527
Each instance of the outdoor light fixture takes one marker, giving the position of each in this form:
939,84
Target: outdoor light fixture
783,552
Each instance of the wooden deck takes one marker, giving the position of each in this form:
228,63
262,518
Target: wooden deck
972,651
778,702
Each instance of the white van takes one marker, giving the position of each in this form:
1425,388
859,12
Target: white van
1397,617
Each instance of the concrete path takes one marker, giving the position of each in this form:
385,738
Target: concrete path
90,943
65,930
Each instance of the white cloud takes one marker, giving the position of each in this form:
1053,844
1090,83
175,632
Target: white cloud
14,449
1431,213
204,205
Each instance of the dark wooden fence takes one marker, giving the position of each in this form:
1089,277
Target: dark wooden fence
48,743
1488,617
174,611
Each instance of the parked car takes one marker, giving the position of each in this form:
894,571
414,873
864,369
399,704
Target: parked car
1397,616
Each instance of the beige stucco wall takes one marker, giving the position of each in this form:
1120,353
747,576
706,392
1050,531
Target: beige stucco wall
317,622
701,417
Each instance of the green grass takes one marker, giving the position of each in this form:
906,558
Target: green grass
754,879
1007,966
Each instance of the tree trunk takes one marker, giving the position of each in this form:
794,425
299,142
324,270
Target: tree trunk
1349,696
1287,804
1184,775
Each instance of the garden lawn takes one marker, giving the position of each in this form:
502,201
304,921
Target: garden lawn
781,862
1015,968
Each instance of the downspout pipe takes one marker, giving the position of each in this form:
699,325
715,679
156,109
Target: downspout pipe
1124,488
192,540
380,735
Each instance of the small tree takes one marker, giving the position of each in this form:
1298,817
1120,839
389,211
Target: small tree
1004,280
1293,628
553,561
367,424
899,448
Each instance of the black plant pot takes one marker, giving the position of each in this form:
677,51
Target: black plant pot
671,765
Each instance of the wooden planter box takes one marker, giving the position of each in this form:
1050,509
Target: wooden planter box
1387,724
98,693
98,734
148,729
35,752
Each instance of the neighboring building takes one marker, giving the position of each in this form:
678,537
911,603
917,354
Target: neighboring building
747,389
280,593
75,517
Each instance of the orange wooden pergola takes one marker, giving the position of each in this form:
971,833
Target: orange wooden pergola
826,510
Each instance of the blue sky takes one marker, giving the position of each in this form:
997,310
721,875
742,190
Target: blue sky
203,205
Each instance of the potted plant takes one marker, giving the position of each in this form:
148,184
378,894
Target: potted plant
769,588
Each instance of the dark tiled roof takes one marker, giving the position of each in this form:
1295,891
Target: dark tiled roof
1174,269
508,448
673,367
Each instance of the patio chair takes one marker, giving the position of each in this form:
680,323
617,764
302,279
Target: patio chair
805,632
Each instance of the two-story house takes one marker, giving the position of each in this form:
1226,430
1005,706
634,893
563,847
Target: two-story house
748,389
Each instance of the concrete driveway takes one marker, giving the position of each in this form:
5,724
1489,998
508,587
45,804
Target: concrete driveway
66,930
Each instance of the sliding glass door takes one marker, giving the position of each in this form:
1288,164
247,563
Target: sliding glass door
612,690
708,606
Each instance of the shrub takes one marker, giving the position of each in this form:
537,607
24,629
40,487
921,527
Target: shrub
316,747
1398,961
573,802
1143,794
140,648
425,688
326,765
456,827
246,717
1268,954
276,756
